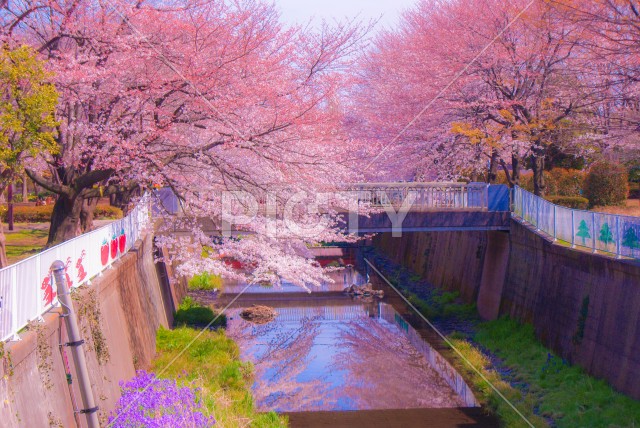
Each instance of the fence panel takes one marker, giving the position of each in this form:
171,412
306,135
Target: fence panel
27,290
607,233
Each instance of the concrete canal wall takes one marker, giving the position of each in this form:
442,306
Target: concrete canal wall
583,306
119,314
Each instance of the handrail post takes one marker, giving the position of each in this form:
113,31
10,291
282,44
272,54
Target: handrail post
14,304
537,199
618,239
75,343
593,228
555,224
573,229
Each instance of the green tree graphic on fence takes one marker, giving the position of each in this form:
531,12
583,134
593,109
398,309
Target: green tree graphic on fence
583,232
606,236
630,239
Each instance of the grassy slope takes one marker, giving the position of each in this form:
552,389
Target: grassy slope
212,363
546,390
562,392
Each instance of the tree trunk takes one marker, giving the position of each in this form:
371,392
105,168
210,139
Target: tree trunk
86,214
515,170
25,190
3,248
65,219
10,205
537,164
123,198
493,168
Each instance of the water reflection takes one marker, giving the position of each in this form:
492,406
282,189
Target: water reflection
337,353
341,279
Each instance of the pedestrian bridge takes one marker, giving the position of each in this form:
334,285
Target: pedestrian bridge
404,206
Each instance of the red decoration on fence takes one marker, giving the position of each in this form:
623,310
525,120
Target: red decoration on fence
66,273
46,286
81,272
104,253
114,247
122,241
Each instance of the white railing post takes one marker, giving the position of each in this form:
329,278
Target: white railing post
537,199
37,296
593,228
14,305
555,224
573,229
618,239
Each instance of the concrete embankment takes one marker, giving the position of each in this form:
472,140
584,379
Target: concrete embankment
583,306
119,314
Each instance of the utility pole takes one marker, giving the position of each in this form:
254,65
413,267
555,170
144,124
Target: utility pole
90,409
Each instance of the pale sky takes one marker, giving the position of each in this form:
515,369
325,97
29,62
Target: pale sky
301,11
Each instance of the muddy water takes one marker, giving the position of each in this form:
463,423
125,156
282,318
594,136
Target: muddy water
328,351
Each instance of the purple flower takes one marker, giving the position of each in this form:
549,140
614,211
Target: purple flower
162,404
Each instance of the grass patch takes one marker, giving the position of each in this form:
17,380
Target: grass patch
193,314
442,305
24,243
205,281
525,403
212,363
562,392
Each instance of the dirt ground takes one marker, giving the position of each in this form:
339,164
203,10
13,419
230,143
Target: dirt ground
631,208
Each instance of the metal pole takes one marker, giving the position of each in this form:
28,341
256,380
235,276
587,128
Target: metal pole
555,225
573,229
537,199
593,230
618,238
75,343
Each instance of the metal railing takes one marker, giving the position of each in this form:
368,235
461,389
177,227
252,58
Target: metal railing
599,232
425,195
26,288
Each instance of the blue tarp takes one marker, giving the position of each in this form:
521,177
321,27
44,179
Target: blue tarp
498,197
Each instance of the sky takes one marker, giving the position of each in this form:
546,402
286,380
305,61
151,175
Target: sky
301,11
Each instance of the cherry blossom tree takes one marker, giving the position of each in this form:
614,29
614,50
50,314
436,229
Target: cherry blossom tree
202,97
470,85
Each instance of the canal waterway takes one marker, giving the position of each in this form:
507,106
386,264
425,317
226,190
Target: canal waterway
328,351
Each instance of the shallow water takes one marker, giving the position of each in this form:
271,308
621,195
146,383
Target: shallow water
335,352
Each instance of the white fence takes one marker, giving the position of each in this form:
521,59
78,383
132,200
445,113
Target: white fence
607,233
425,195
27,289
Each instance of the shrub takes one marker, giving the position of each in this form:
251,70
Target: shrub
559,181
149,401
606,184
193,314
42,213
29,214
104,211
576,202
565,182
205,281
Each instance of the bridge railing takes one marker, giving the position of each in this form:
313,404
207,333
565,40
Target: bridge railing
425,195
27,290
607,233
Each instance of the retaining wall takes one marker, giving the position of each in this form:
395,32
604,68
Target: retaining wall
119,313
583,306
